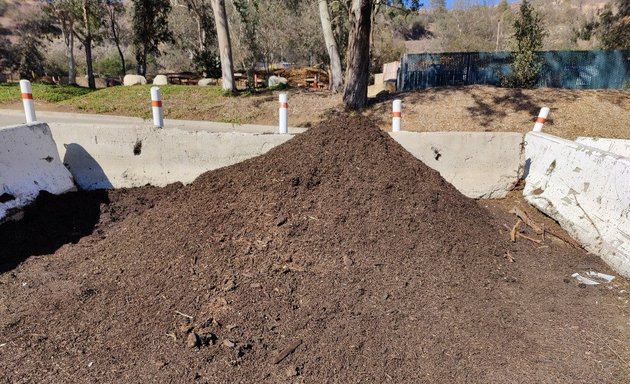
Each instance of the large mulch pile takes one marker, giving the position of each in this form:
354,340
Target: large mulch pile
336,257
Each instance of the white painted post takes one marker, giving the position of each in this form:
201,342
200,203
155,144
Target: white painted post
284,113
27,100
396,115
542,118
156,106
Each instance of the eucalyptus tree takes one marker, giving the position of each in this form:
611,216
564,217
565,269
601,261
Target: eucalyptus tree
225,45
336,78
63,13
358,56
88,30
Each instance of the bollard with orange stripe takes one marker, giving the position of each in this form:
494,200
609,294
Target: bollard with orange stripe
542,118
396,115
27,100
284,113
156,106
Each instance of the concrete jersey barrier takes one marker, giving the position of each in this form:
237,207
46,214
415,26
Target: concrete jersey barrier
478,164
586,190
617,146
132,156
29,163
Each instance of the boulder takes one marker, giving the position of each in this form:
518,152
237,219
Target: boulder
160,80
134,80
206,82
274,81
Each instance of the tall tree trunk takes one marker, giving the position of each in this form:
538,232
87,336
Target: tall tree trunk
358,70
225,45
336,81
68,38
88,62
87,43
113,25
123,66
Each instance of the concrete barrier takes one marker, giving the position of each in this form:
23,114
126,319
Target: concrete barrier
29,163
478,164
586,190
123,156
617,146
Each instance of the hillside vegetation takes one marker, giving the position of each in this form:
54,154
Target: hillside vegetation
255,34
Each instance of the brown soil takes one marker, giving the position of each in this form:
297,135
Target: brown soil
336,257
599,113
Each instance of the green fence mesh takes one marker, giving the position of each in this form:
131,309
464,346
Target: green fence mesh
561,69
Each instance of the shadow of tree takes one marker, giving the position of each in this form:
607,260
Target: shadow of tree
490,105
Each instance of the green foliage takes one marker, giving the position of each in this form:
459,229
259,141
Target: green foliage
385,50
612,26
150,28
208,63
27,56
528,36
7,53
205,57
110,66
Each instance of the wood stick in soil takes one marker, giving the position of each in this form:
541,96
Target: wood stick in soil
287,351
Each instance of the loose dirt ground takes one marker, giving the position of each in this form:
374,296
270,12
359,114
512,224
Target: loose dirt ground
336,257
599,113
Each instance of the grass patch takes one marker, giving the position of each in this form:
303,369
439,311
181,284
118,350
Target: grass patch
135,101
43,92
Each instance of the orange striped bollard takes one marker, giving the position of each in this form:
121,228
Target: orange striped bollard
542,118
396,115
284,113
156,106
27,100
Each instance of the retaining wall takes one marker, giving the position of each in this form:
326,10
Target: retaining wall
132,156
478,164
29,163
587,190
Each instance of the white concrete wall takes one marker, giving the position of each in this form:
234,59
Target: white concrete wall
616,146
586,190
103,157
29,163
390,71
478,164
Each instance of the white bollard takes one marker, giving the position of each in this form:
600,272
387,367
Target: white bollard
156,106
284,113
396,115
27,100
542,118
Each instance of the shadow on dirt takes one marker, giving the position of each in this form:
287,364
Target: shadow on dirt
50,222
489,106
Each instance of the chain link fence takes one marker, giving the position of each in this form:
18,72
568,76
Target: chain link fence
561,69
